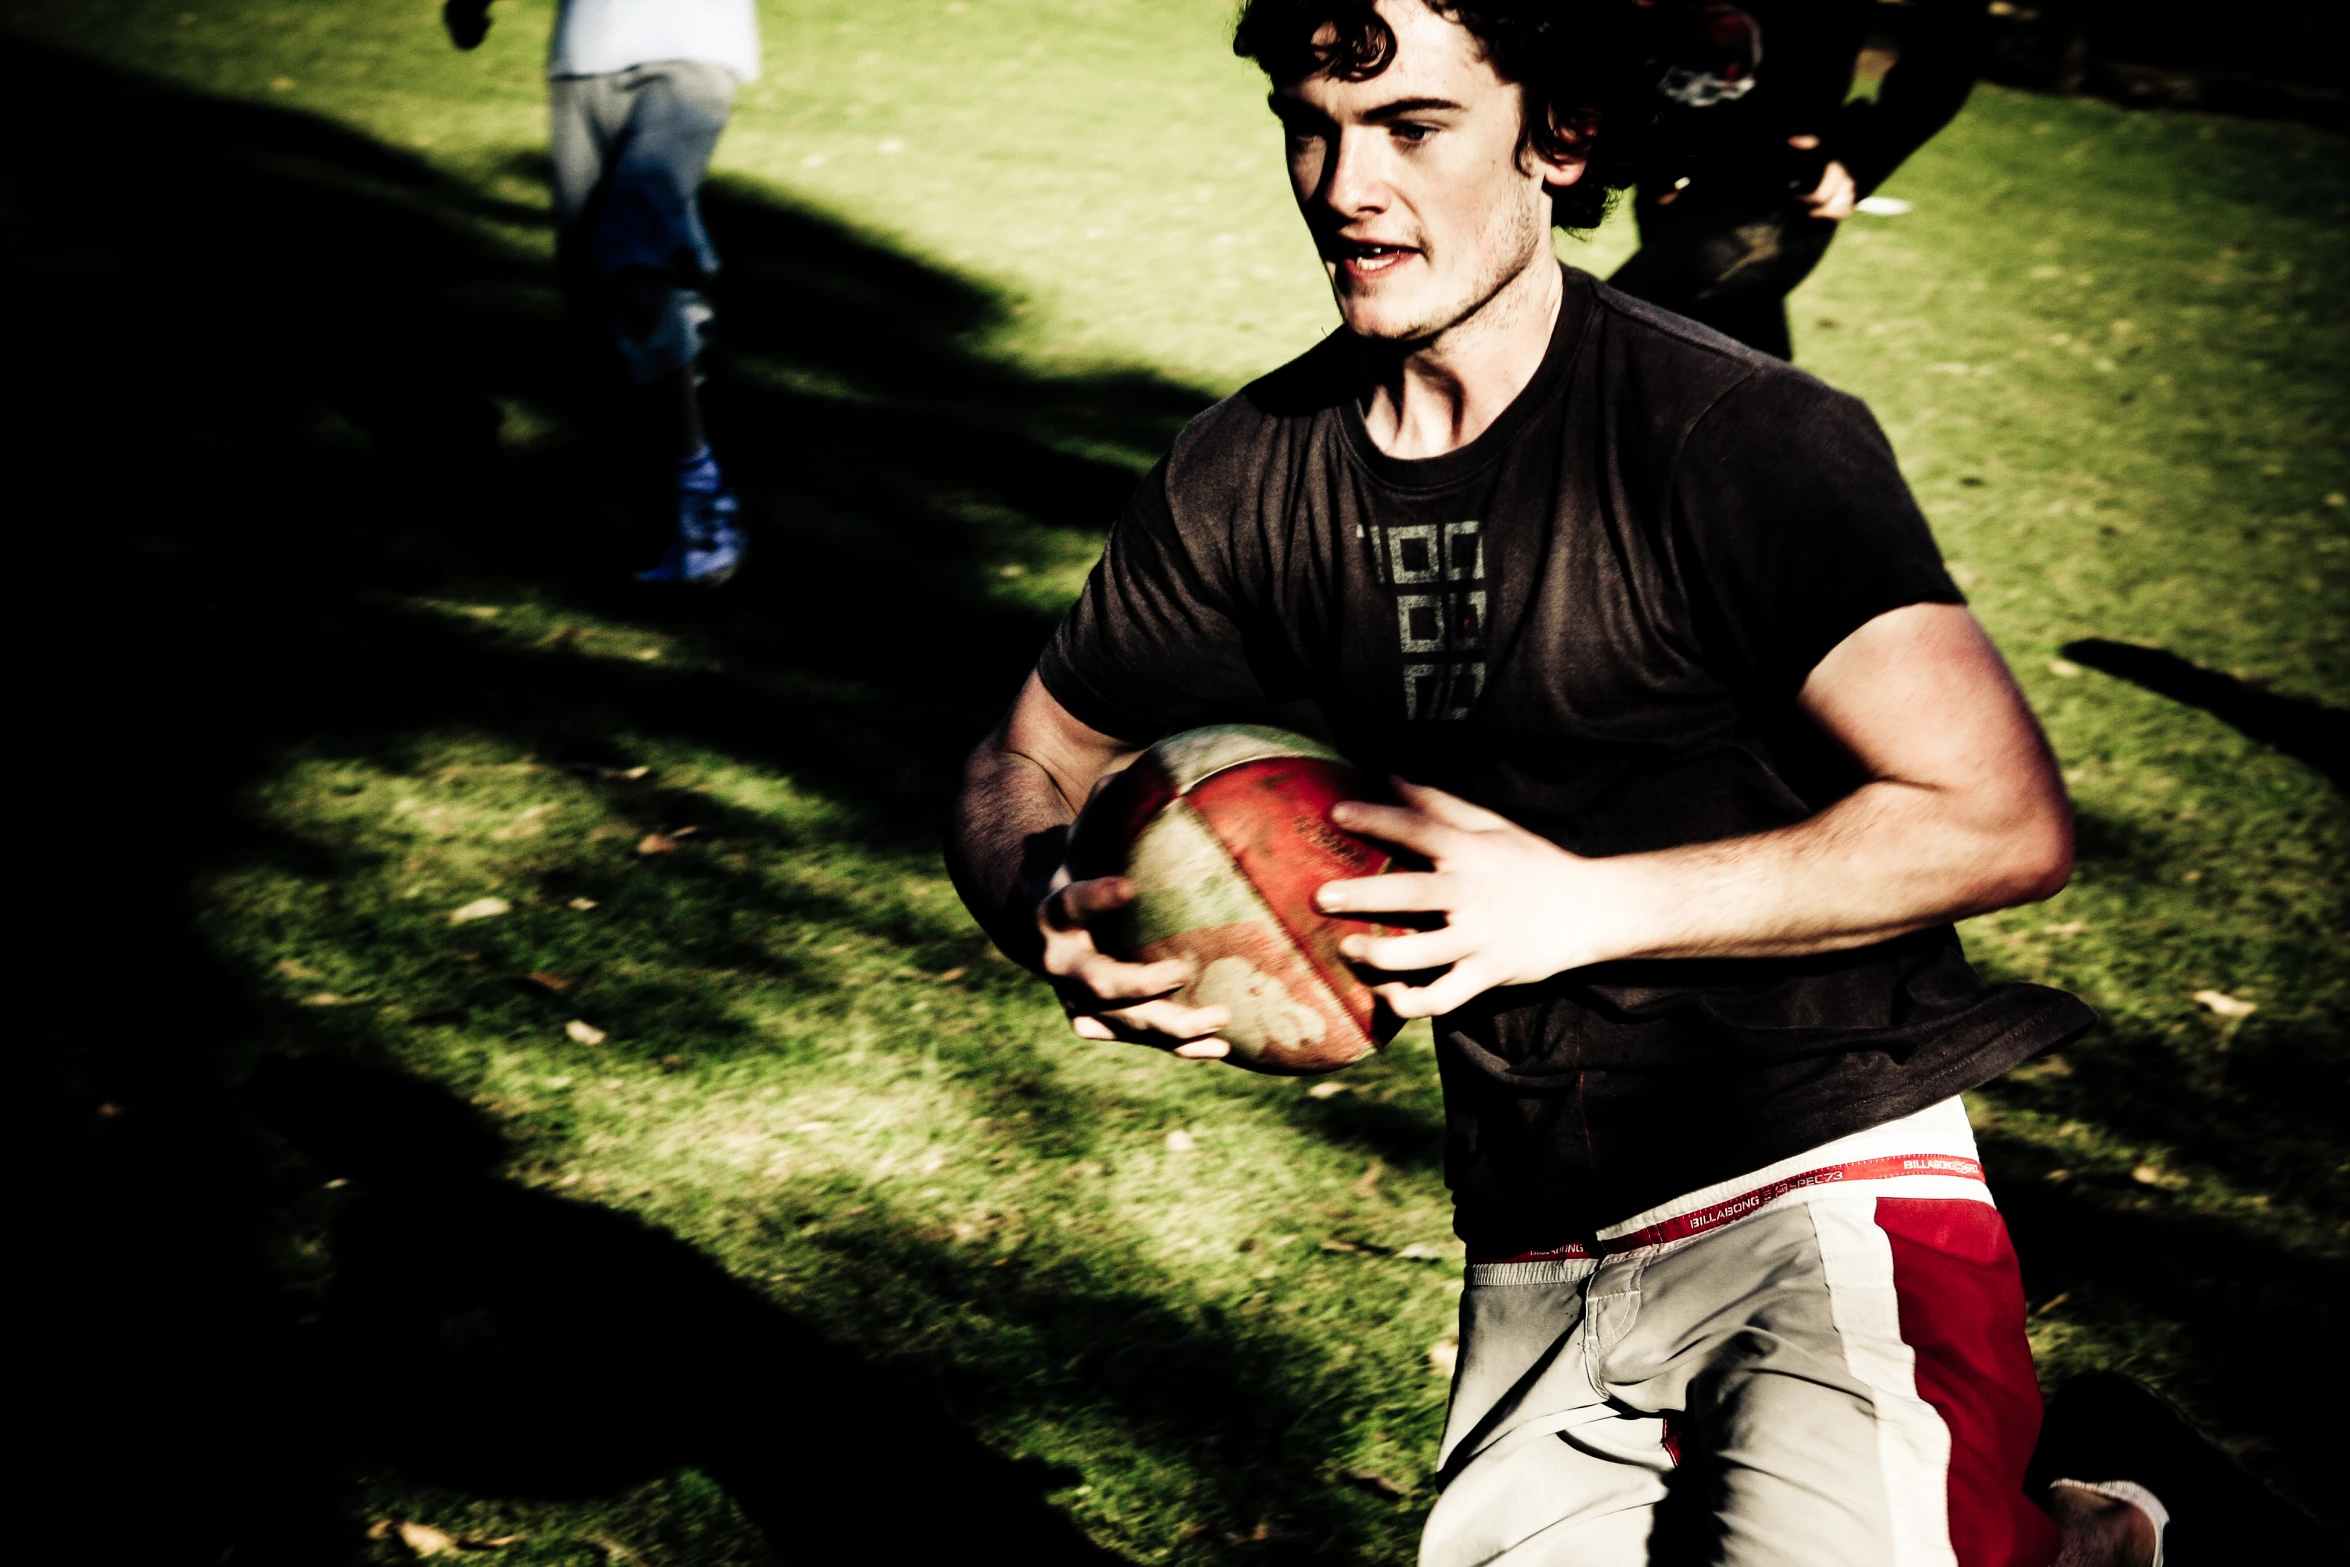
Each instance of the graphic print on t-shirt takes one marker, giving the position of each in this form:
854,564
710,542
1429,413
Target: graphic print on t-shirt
1436,571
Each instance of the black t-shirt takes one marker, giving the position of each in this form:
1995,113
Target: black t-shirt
1593,619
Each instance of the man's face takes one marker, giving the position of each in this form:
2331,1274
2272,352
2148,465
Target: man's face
1413,183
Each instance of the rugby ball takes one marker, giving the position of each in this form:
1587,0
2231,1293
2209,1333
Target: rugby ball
1226,834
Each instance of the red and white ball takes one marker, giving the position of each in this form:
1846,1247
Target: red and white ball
1226,834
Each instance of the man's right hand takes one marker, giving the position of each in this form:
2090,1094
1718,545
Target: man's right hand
1108,999
468,22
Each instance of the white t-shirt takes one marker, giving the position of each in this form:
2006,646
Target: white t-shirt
598,37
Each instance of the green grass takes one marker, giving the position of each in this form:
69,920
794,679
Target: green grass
830,1155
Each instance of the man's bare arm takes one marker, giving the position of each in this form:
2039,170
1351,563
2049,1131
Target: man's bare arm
1021,790
1964,812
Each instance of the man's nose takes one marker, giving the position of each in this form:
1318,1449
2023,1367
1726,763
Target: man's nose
1355,182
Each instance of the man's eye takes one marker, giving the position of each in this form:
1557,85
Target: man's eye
1415,134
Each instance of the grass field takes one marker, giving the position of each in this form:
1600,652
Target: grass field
526,1074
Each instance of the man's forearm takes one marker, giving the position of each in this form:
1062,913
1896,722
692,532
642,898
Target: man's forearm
1888,859
1011,823
1021,790
1965,813
1923,92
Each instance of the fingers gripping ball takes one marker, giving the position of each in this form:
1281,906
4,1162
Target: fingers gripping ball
1225,833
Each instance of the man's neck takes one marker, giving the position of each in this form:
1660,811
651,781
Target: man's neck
1438,396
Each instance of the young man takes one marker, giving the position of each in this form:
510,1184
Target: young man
1760,155
638,91
1707,755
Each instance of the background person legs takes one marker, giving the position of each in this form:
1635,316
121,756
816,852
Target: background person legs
629,152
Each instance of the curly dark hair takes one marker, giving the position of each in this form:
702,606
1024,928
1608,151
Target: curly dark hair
1587,67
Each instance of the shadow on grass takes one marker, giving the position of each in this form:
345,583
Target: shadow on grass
2312,732
525,1345
287,380
2264,1113
2119,1258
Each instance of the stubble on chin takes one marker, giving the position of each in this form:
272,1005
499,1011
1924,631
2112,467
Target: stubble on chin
1526,244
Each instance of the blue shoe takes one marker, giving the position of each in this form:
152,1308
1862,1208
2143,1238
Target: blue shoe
709,548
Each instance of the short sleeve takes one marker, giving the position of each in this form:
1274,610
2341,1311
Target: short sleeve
1154,643
1794,519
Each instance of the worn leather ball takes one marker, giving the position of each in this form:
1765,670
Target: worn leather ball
1226,834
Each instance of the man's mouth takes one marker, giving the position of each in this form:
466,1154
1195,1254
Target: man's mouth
1364,259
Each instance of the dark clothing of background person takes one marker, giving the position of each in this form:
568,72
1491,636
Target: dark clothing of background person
1725,234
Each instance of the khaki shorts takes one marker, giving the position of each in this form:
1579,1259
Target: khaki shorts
1821,1364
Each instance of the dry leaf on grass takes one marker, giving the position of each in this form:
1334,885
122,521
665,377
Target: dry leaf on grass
480,909
424,1539
1180,1142
2225,1005
581,905
294,970
953,974
1380,1483
325,998
583,1033
552,984
1329,1090
657,843
1263,1534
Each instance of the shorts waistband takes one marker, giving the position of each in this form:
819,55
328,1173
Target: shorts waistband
1729,1210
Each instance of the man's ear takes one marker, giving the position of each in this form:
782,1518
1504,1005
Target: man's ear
1562,156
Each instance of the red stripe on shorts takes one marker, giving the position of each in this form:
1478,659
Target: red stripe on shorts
1962,1311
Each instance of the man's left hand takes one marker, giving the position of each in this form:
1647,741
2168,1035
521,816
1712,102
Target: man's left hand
1836,194
1517,907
